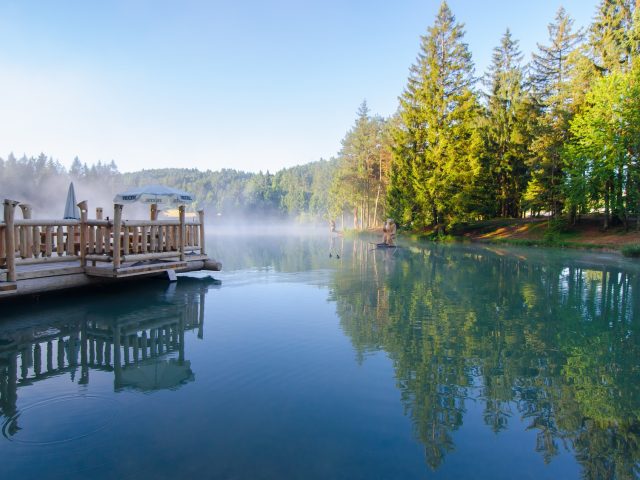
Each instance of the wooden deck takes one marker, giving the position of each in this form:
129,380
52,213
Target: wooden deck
57,254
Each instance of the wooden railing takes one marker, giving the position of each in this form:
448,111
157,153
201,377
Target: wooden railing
96,240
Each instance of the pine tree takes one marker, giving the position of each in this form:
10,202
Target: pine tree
552,72
610,36
434,162
507,131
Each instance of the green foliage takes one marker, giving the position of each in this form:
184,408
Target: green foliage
506,134
436,145
631,250
360,183
552,71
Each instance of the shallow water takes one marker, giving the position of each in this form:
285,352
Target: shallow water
424,362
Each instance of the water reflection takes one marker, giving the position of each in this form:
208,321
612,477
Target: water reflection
538,336
141,343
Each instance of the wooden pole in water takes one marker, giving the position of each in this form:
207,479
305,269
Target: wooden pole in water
182,233
10,245
84,215
117,225
201,216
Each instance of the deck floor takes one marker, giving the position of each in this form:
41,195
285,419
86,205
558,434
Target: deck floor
101,269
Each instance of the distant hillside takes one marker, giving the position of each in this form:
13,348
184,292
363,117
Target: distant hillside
300,193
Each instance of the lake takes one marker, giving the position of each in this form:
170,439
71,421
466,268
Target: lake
325,358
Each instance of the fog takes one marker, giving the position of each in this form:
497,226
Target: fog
49,198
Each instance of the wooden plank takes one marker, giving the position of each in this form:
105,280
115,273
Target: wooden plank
24,246
9,212
150,256
92,239
36,242
47,260
3,230
212,265
48,241
46,223
126,234
201,217
60,241
131,271
71,231
53,272
153,233
149,223
136,239
117,226
8,286
182,233
98,258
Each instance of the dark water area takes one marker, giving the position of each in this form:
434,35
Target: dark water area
429,361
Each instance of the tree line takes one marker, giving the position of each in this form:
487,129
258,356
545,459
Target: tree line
558,135
299,193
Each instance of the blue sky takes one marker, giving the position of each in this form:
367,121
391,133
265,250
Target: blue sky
251,85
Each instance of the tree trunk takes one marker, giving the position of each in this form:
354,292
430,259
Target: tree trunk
606,205
375,210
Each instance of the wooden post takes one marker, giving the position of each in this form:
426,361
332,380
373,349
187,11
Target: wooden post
201,216
36,242
26,211
181,234
48,241
99,213
10,245
84,215
154,212
117,226
3,234
25,237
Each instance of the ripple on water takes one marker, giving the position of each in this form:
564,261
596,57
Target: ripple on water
59,419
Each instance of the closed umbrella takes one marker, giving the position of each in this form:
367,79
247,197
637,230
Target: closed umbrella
157,194
71,210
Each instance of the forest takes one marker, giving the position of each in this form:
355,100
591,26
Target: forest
557,136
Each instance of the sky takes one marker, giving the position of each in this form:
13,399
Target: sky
251,85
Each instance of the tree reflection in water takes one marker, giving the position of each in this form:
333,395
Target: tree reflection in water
527,333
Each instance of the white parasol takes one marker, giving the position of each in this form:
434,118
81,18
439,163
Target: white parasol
158,194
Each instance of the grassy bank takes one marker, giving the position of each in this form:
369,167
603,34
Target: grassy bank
586,234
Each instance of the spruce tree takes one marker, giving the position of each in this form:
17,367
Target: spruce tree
610,36
552,72
434,162
507,130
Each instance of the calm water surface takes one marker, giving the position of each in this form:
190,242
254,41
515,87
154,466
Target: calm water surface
425,362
